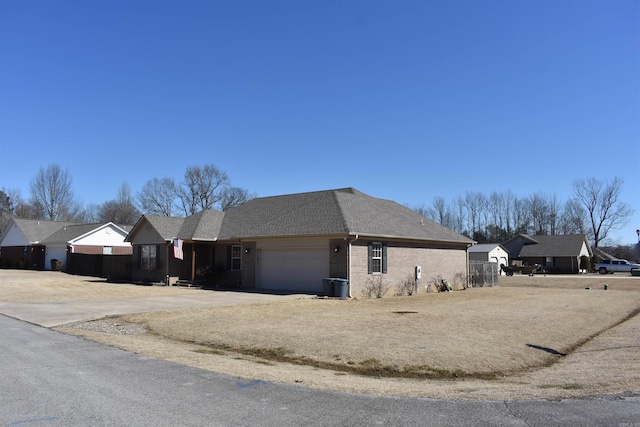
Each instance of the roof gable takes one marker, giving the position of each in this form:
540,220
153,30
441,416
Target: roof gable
154,228
203,226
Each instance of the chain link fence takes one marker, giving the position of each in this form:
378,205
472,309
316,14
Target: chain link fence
482,273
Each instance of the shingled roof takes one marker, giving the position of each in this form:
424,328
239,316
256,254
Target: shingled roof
554,246
36,231
167,226
340,212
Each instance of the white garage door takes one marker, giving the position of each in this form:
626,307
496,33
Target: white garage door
290,269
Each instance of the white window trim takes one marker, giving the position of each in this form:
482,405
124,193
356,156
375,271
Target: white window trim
376,247
236,256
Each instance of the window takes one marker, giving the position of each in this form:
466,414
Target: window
236,257
377,258
148,257
107,250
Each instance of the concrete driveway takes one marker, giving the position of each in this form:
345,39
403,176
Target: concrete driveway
51,314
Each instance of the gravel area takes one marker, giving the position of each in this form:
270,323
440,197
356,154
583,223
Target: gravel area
110,326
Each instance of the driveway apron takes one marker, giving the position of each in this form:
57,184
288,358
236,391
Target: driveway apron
51,314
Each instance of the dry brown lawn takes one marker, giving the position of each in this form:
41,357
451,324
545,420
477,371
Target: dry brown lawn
531,337
54,286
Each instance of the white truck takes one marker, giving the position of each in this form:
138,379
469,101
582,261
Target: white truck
610,266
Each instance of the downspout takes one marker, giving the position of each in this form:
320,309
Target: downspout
349,242
467,256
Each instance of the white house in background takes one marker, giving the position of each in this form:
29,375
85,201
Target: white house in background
91,239
30,243
489,252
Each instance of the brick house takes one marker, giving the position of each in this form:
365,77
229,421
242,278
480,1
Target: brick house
291,242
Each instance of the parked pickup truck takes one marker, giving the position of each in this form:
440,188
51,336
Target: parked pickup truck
616,266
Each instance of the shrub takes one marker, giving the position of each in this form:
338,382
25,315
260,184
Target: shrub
406,286
375,286
585,263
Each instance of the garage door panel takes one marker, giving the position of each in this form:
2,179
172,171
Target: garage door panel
299,269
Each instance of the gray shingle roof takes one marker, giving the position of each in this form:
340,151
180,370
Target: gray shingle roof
339,212
203,226
486,247
333,212
554,246
67,233
36,231
168,227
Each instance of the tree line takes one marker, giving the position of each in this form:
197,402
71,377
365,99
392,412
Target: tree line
595,209
52,197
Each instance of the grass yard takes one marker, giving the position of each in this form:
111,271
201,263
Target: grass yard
481,333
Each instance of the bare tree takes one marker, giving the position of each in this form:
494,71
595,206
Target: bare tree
6,209
554,211
201,188
158,196
440,213
231,197
51,191
573,219
122,210
601,199
539,209
91,213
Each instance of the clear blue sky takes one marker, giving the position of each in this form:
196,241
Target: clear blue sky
404,100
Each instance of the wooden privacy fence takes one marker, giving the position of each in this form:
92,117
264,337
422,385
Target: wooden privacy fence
483,273
112,266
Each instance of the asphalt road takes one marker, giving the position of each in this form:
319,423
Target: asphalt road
51,379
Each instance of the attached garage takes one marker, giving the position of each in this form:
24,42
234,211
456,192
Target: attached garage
299,269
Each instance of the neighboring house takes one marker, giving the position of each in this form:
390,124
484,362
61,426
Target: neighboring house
292,242
35,243
490,252
556,254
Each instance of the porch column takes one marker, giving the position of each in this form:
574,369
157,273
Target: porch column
193,261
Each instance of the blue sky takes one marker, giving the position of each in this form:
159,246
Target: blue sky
404,100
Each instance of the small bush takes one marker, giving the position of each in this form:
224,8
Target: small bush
407,286
585,263
375,286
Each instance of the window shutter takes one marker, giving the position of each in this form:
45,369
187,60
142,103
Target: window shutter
370,254
229,257
384,258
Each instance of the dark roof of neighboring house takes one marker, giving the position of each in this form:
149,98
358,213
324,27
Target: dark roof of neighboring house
554,246
333,212
36,231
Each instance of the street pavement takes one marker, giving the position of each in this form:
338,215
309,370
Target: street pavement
51,379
